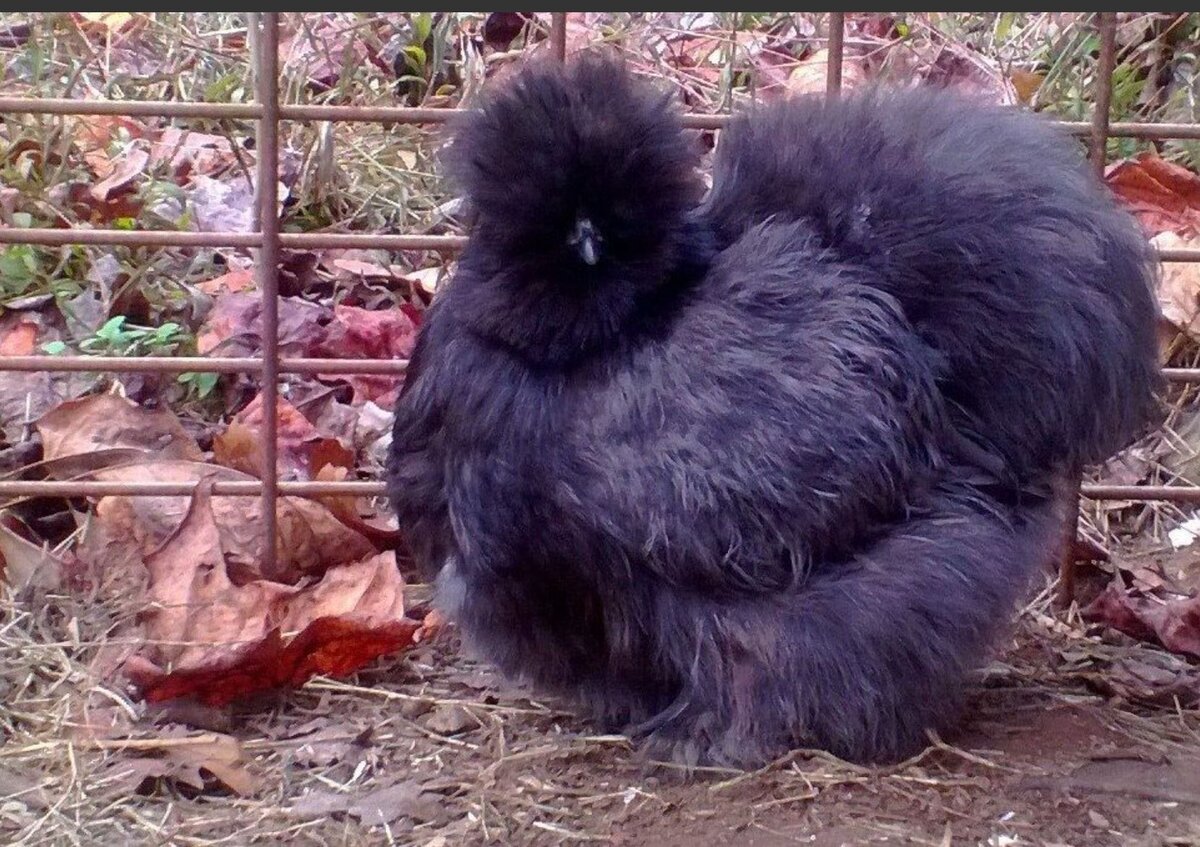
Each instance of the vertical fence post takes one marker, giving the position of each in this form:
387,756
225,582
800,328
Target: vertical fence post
558,35
1106,23
833,71
266,272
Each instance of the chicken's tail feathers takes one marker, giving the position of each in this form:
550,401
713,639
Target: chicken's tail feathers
1008,254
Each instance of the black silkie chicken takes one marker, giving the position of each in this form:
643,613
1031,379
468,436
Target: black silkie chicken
771,467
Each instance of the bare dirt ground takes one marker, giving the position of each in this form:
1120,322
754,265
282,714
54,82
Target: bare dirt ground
432,749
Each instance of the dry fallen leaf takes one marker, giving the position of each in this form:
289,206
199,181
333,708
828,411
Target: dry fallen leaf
407,799
451,720
1026,84
326,741
190,152
345,509
96,132
356,268
1152,677
310,539
193,607
78,199
1173,623
327,453
23,562
20,339
106,22
232,282
218,641
1179,285
301,447
324,49
239,447
220,206
1163,195
217,626
105,421
961,67
27,395
370,334
187,758
93,133
403,800
427,279
235,326
120,179
811,75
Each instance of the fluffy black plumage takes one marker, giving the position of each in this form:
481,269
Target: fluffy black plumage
550,153
1008,256
772,469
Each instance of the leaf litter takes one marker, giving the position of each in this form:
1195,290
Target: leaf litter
218,641
214,626
194,761
1139,601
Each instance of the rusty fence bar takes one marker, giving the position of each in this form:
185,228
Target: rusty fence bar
225,365
558,35
203,364
228,488
418,115
268,112
290,240
222,364
837,40
90,488
1107,24
266,269
304,241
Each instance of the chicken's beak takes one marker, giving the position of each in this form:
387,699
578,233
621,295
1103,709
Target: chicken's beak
589,251
586,241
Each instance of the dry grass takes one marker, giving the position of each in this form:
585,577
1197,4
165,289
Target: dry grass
501,766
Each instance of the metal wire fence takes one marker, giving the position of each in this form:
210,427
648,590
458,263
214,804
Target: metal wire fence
268,112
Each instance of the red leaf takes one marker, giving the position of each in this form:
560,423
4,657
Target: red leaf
1175,624
217,641
1164,196
370,334
19,340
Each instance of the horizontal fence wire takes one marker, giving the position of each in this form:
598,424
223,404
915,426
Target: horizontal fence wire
198,364
419,115
24,489
289,240
267,112
251,488
308,241
227,365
